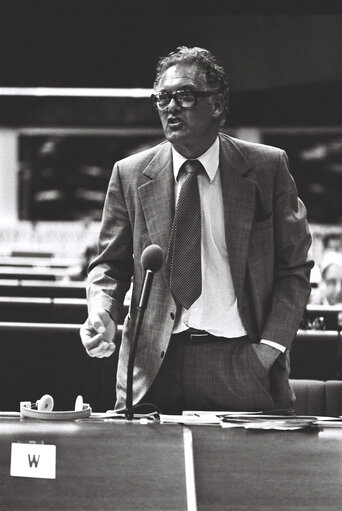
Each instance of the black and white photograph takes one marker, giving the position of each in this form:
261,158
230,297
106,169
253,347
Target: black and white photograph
170,256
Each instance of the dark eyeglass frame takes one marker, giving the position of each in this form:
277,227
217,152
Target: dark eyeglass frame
176,96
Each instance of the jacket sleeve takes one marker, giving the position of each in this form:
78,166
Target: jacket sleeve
109,274
292,265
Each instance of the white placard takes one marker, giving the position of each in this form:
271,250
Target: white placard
33,460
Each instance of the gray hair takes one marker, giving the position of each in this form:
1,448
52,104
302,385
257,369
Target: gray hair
204,59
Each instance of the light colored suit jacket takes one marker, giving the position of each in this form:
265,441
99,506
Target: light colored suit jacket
267,239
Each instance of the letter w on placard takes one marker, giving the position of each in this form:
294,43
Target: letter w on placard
33,461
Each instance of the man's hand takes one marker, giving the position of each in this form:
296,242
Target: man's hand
98,334
266,354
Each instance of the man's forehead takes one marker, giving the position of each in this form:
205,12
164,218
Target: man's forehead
180,73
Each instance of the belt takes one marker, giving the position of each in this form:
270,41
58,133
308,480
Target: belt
192,334
197,334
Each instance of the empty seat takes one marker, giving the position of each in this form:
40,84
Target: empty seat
315,397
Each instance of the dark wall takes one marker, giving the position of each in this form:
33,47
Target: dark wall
283,69
92,44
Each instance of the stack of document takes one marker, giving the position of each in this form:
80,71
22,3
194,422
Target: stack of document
192,417
263,421
251,420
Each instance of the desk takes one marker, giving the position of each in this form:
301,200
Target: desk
100,466
239,470
23,272
41,288
110,465
32,262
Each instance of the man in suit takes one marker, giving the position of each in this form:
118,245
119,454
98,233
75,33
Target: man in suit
227,348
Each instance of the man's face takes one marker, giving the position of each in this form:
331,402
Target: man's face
191,131
333,284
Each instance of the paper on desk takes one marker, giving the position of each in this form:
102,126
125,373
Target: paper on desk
202,417
329,422
198,418
268,424
218,413
112,415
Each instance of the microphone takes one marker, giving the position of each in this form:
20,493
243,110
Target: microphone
151,262
152,259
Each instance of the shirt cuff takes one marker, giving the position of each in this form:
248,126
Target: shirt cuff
273,344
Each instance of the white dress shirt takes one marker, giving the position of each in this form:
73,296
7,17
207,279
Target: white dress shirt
216,310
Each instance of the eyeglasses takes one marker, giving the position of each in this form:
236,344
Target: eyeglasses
184,98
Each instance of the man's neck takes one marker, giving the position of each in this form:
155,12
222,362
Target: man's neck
191,153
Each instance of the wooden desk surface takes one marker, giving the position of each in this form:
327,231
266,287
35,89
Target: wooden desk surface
136,467
99,466
268,470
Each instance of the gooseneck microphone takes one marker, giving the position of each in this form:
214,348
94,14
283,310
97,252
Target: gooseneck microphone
152,260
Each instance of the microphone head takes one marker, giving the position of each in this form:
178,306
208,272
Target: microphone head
152,258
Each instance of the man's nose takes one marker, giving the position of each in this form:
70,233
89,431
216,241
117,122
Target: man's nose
173,106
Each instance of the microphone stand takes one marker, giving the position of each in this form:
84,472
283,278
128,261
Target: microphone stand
144,295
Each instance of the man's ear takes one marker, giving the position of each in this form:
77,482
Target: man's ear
218,105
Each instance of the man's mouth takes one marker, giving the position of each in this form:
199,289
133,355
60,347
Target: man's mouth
174,122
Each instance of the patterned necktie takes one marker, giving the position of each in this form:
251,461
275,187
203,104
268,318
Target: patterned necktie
184,251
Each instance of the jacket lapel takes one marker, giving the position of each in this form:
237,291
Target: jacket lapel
239,202
157,198
238,190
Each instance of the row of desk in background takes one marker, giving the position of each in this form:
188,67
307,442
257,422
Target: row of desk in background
38,267
42,352
41,311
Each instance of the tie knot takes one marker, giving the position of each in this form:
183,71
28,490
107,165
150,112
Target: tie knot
192,166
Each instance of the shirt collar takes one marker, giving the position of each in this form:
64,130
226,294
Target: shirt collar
209,160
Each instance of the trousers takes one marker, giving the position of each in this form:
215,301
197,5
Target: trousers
210,374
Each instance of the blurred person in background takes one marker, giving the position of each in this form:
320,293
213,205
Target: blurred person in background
332,242
329,291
